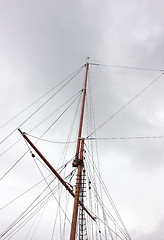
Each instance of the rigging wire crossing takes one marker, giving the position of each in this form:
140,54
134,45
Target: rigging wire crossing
29,213
38,124
52,96
44,95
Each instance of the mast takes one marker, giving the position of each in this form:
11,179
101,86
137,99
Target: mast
78,161
77,192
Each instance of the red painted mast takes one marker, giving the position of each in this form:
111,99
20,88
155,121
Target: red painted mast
78,162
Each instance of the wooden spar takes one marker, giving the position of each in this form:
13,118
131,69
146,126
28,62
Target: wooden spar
81,117
78,162
55,172
77,192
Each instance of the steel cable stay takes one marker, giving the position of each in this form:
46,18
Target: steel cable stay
78,93
23,214
126,67
112,230
41,136
11,146
90,202
42,163
56,217
37,224
125,232
115,209
44,95
52,96
110,199
29,189
70,176
125,105
42,202
91,207
105,222
125,138
59,204
61,168
58,117
12,201
33,223
95,203
4,175
21,225
66,203
66,210
49,196
92,127
98,198
68,140
44,189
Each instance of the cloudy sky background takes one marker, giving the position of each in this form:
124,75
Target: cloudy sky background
42,42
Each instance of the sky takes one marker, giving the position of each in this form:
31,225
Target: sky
42,42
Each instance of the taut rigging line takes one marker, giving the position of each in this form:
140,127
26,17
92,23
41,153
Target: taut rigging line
127,67
53,95
124,106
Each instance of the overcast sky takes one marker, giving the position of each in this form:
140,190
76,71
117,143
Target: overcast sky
42,42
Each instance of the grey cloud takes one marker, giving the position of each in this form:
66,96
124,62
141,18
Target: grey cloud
42,42
157,233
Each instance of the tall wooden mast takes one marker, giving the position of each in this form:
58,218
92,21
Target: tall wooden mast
78,162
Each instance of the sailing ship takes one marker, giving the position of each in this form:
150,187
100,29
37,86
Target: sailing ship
63,196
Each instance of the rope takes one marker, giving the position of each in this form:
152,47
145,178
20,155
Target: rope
126,138
124,106
79,92
127,67
14,165
59,116
45,94
125,231
42,105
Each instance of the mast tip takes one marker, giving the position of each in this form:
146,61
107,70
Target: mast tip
87,60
